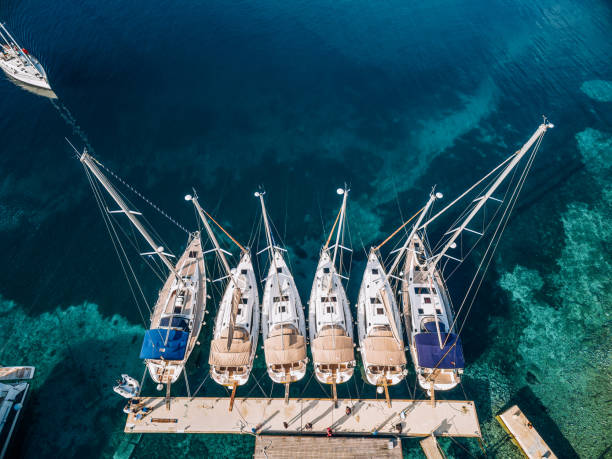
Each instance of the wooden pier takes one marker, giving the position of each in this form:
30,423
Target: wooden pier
524,434
291,447
305,416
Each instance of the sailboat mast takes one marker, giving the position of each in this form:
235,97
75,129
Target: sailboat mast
340,222
211,234
432,198
260,195
481,201
88,161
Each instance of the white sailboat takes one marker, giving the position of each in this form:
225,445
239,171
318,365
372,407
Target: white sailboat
380,328
178,314
234,343
282,317
329,314
21,66
435,344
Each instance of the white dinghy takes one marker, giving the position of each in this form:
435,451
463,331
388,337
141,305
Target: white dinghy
21,66
282,317
329,314
234,343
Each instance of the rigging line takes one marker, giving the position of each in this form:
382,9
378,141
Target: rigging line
199,387
505,219
115,241
141,196
224,232
398,230
332,230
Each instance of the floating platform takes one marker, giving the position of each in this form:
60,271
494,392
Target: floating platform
524,434
416,418
291,447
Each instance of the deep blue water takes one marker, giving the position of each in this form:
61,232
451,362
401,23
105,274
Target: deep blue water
301,97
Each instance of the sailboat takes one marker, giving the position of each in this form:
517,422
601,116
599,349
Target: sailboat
282,317
178,314
236,331
380,328
21,66
329,314
435,343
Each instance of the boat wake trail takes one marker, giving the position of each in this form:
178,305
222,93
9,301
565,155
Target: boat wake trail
72,122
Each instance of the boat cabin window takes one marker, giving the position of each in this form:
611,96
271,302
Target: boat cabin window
438,312
375,300
243,271
424,290
239,311
380,311
375,271
279,270
326,270
193,254
282,309
328,299
330,309
278,299
426,300
420,310
417,268
244,300
177,322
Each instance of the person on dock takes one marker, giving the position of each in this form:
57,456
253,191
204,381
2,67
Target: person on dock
348,411
285,424
329,432
308,426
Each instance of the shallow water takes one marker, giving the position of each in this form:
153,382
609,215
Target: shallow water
302,97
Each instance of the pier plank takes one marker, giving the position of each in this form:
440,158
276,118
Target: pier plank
417,418
304,447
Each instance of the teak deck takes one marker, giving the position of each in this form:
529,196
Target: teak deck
286,447
524,434
266,416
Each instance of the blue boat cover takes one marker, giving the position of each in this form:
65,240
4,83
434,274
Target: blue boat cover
431,356
431,327
157,346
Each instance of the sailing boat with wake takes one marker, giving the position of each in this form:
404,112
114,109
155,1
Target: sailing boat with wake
234,343
329,314
178,314
435,342
282,317
21,66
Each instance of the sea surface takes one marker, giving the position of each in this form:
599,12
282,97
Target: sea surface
301,97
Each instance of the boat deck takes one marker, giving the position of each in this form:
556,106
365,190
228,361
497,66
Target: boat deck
524,434
286,447
264,416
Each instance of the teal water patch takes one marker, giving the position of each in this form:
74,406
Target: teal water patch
599,90
78,355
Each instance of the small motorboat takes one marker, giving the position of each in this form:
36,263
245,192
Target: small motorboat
21,66
128,387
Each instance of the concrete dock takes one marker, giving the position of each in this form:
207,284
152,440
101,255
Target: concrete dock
412,418
291,447
524,434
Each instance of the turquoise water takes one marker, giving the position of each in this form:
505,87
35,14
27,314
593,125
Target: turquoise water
390,97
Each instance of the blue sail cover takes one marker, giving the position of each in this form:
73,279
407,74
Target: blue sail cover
157,346
431,356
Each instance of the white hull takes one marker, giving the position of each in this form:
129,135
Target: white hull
380,328
283,324
331,325
17,67
181,306
229,369
424,300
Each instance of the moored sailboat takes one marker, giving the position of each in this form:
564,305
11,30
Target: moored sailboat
282,317
380,329
178,314
236,331
329,315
